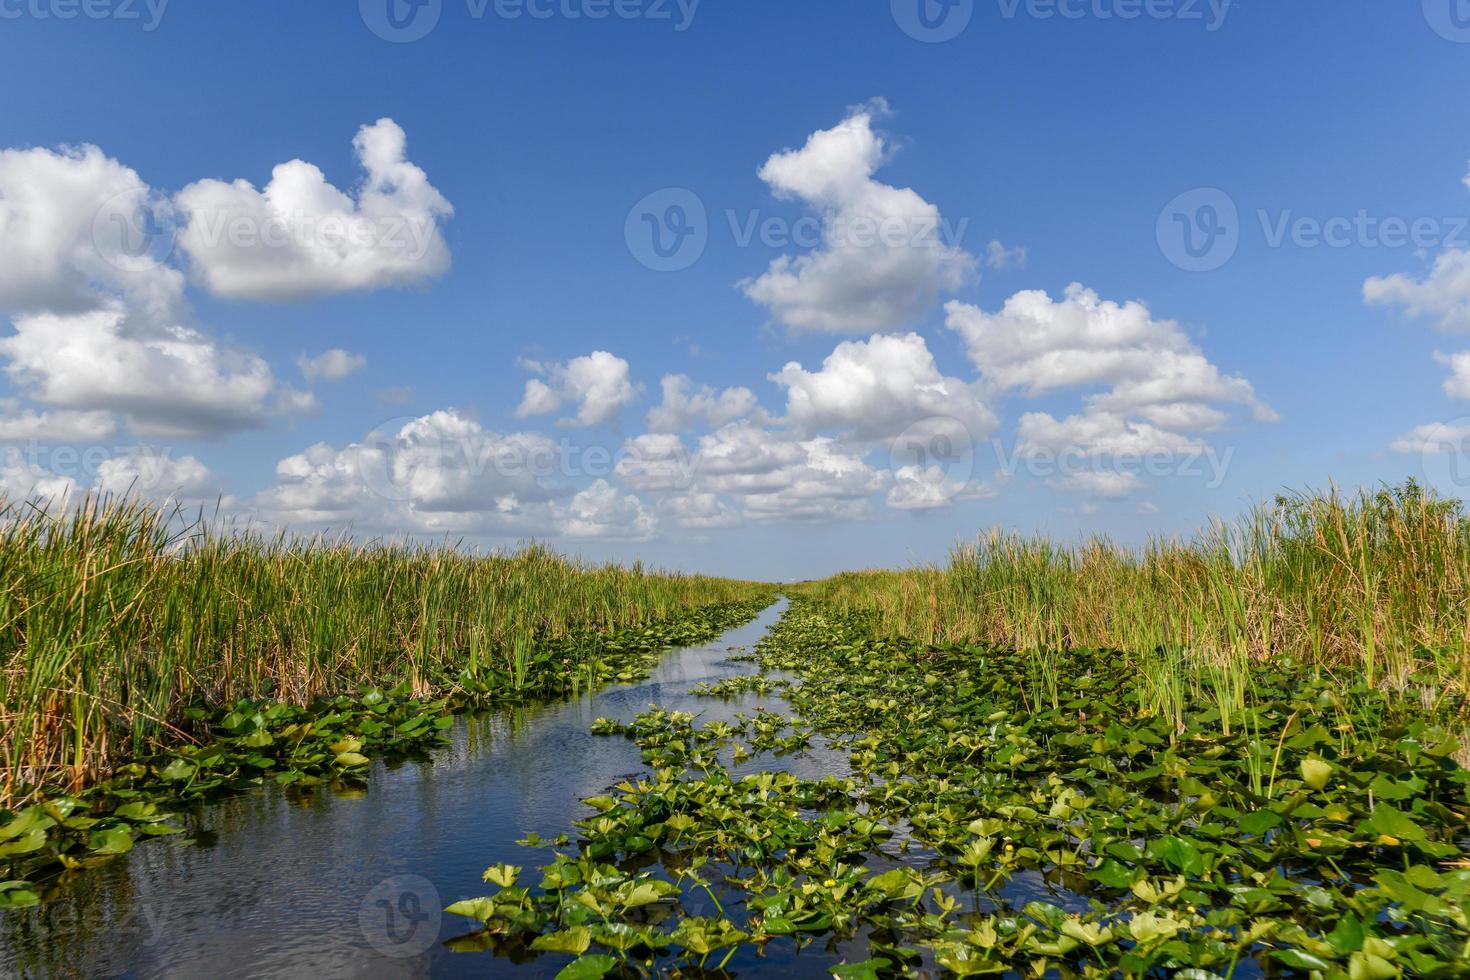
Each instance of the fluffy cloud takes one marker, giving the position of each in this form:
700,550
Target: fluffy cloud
1160,392
1436,438
600,511
445,473
79,230
931,488
775,477
19,424
22,479
442,472
1444,294
599,384
877,388
1457,385
685,407
168,381
655,461
330,365
154,473
701,511
301,237
884,396
998,256
883,261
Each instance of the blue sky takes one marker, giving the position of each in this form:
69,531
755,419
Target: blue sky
1065,138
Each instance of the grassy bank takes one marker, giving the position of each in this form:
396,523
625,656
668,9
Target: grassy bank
117,618
1372,586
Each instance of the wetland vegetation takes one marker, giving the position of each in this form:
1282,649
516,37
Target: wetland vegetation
1236,756
1230,757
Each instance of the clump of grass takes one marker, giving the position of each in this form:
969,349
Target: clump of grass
115,615
1373,585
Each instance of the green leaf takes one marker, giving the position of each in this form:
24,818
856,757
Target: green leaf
866,970
1258,822
29,819
1395,823
1180,855
26,843
178,770
1111,874
504,875
1347,936
257,739
1301,959
588,967
574,941
479,909
113,840
1316,772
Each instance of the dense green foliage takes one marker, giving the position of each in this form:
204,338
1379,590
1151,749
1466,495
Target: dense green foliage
330,740
115,619
1005,817
1378,583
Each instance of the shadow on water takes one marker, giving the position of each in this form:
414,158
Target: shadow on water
281,883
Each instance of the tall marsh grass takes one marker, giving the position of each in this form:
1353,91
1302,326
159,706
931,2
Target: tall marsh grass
118,614
1375,585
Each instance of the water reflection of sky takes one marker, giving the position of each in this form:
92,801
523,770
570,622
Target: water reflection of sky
323,885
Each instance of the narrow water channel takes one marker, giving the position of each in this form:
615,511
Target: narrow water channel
323,885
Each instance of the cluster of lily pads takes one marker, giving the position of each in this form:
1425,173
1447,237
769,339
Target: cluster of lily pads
330,741
566,665
1319,829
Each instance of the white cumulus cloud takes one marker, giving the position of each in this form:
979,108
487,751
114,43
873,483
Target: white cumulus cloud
884,259
877,388
601,511
599,384
1159,393
76,228
301,237
686,407
330,365
167,381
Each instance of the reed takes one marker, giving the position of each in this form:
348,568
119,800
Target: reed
1374,586
117,615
